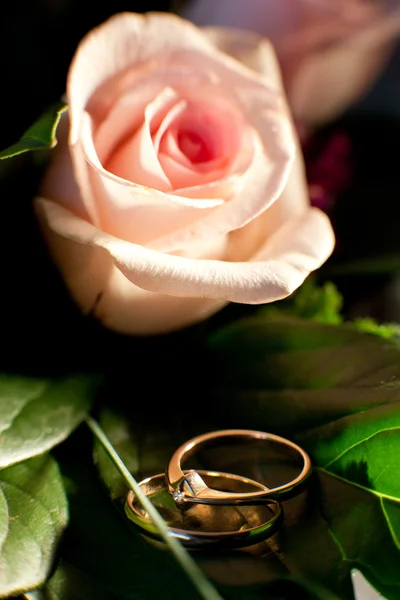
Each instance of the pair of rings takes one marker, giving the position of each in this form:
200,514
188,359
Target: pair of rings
213,509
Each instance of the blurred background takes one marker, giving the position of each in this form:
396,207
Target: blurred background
39,38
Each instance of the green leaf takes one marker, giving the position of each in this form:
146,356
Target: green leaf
69,583
181,555
321,303
336,391
289,588
36,414
330,388
369,325
359,456
141,459
101,547
296,374
41,135
33,515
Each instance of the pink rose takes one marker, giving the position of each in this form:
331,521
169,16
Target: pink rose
180,187
330,51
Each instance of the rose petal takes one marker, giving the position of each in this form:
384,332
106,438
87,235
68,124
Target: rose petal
131,211
118,199
128,309
136,160
223,188
254,15
58,181
180,171
279,21
166,123
131,91
249,48
255,191
181,176
299,247
128,39
219,128
170,148
256,52
217,124
110,132
330,52
83,180
124,39
330,80
101,290
125,117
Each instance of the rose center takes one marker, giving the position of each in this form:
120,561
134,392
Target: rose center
193,146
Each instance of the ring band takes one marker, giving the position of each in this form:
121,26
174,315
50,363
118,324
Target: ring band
200,527
189,487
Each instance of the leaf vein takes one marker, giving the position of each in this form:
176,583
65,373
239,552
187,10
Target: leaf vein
390,526
339,456
358,485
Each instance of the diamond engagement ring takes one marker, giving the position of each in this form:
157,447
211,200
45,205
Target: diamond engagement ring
189,486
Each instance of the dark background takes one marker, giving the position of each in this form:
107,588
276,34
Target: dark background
39,38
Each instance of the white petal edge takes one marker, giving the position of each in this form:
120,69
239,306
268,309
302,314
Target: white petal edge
298,248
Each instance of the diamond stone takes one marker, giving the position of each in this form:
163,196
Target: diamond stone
179,497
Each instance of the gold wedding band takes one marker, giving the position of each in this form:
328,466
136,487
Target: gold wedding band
201,526
189,487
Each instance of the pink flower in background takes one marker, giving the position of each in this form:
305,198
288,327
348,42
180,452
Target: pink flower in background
179,186
329,166
330,51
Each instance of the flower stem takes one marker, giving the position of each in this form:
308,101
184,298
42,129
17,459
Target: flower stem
195,574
